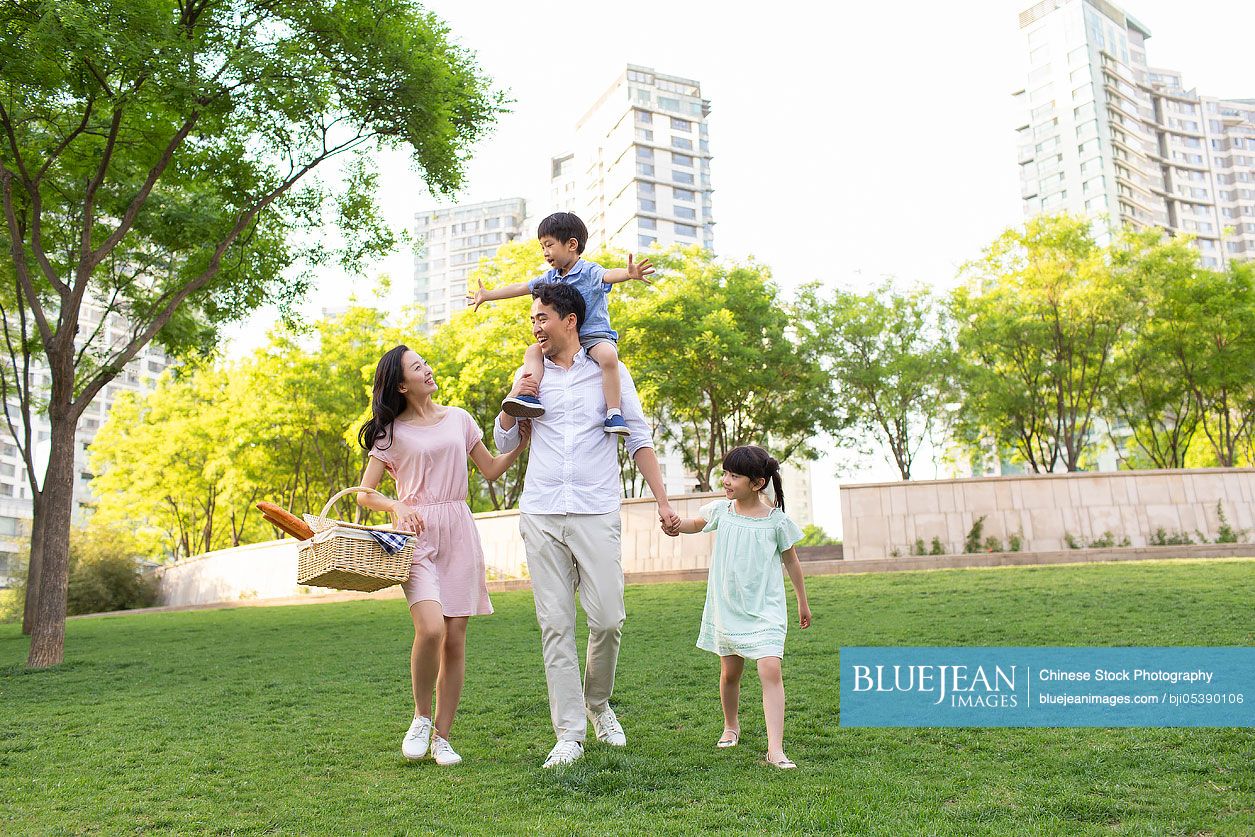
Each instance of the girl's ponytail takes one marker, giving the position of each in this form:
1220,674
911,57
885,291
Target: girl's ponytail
777,484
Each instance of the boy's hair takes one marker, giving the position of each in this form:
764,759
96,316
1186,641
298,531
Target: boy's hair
564,226
755,463
563,299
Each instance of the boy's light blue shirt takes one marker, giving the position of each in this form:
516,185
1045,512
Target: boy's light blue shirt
587,279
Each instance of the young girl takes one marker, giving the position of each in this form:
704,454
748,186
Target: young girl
424,446
746,614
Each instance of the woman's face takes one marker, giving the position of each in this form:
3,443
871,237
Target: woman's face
417,379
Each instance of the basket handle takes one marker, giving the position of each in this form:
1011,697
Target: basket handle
356,489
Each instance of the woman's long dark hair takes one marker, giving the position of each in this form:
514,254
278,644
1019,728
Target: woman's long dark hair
755,463
386,400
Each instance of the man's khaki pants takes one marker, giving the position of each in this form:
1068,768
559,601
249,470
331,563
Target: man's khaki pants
566,554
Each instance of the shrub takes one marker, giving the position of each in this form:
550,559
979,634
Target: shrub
105,572
993,544
1163,538
1015,542
972,542
1072,541
1227,533
938,548
918,547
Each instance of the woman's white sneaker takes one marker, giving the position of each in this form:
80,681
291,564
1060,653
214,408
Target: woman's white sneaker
443,753
414,746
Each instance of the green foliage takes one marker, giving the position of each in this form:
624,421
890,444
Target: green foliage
888,360
1226,533
1163,538
1015,542
992,544
105,571
937,547
184,466
972,542
918,547
1072,541
813,535
1037,323
711,348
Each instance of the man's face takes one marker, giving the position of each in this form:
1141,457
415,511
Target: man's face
560,254
552,333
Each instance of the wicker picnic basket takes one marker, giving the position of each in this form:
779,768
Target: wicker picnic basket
344,556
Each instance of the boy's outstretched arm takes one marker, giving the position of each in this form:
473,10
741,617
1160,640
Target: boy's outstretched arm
641,270
505,292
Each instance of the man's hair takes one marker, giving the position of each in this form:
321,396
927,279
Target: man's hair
564,226
563,299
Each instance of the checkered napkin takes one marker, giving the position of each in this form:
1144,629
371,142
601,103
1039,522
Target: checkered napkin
391,542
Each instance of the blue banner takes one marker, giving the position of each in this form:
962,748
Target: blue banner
1047,687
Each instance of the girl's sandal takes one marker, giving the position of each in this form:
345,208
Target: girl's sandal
729,738
785,763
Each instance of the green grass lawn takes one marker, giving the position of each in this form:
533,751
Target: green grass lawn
290,719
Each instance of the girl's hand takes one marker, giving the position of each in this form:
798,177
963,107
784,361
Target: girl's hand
525,432
407,518
804,616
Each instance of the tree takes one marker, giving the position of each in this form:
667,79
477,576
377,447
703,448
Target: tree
888,360
1149,396
156,160
717,352
1037,323
186,464
1207,326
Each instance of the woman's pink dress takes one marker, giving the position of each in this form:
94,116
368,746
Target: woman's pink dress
429,466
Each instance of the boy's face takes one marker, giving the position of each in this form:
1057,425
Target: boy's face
560,254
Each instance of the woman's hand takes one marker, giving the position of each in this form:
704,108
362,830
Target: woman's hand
408,519
804,615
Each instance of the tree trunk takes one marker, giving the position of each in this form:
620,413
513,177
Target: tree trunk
48,629
33,568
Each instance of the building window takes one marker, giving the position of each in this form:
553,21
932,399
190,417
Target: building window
681,142
647,223
644,117
686,212
645,189
643,153
682,177
645,240
681,160
645,169
667,103
644,135
647,205
681,124
684,195
686,230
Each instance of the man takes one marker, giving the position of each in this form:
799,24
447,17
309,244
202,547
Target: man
570,518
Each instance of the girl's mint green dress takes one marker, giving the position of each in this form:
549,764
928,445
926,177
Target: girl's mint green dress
746,613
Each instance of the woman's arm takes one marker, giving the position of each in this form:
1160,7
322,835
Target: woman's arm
493,467
793,566
406,517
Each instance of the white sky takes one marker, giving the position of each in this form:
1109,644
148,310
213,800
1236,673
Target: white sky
851,141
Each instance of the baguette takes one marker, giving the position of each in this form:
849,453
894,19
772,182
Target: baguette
285,520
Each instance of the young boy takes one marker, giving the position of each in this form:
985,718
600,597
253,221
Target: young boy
562,239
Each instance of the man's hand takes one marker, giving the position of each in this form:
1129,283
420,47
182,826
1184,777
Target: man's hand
668,520
526,385
478,298
640,270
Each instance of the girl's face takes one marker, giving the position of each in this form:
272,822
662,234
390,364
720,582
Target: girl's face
416,376
740,487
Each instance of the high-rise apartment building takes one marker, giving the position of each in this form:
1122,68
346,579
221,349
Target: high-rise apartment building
639,170
454,240
1104,134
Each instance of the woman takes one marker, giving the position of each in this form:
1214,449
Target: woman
424,446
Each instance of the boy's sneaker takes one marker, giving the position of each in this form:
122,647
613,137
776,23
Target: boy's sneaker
607,727
414,747
617,426
564,752
443,753
522,406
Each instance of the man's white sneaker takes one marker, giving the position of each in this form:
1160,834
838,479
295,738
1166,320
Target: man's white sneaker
607,726
443,753
414,747
564,752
